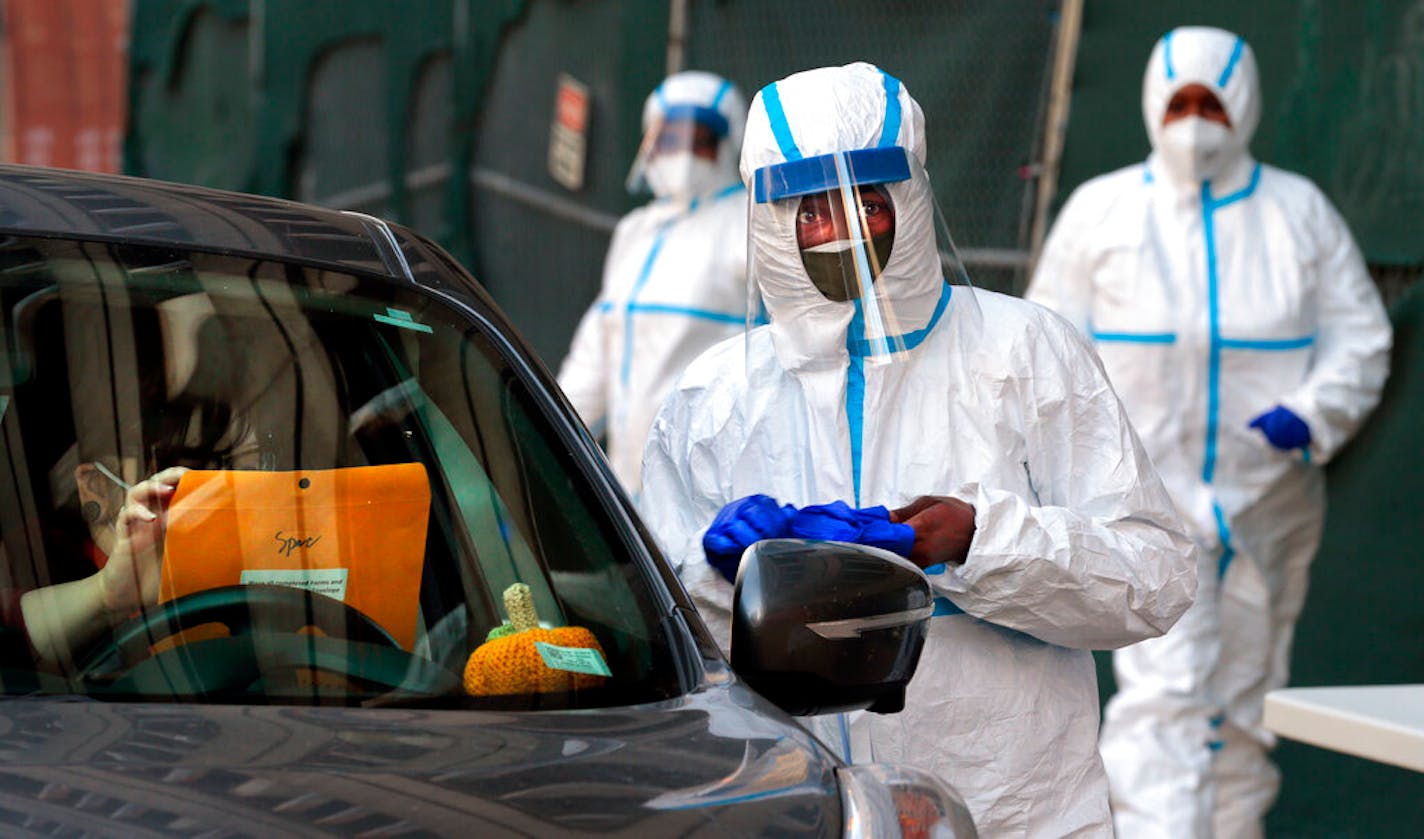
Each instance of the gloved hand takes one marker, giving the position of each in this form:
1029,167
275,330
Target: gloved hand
1283,429
944,528
840,522
738,525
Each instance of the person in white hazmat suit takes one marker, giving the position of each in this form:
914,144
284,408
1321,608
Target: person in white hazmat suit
1042,527
674,275
1236,320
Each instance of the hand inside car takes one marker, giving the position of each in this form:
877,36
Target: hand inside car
944,528
63,618
129,580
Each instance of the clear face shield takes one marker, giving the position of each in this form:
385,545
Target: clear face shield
678,155
856,238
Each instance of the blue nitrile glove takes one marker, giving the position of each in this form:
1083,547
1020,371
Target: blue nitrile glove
839,522
880,532
738,525
1285,430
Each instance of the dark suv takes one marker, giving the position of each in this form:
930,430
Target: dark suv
300,539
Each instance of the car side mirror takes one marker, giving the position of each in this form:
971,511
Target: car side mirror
820,627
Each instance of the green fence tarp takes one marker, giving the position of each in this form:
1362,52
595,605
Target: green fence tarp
439,116
312,100
978,69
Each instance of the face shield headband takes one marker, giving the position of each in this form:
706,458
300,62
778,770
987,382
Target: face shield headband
808,175
698,114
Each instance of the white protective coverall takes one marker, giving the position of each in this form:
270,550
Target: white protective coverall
1210,303
673,283
996,402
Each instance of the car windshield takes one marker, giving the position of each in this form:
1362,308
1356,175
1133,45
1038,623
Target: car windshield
352,496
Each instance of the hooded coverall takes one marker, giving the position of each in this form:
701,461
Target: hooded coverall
991,400
1210,303
673,283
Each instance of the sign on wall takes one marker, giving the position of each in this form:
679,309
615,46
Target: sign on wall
568,136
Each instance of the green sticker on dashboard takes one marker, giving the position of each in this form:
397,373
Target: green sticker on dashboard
573,659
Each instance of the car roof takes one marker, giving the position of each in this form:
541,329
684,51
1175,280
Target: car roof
62,203
40,201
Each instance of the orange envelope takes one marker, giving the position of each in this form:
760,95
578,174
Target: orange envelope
355,534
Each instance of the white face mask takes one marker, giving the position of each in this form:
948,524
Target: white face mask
682,174
1195,149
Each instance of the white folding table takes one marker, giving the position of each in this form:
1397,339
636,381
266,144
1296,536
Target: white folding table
1384,723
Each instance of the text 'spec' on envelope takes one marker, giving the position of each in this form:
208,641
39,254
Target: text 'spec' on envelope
354,534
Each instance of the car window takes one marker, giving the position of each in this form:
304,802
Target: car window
376,508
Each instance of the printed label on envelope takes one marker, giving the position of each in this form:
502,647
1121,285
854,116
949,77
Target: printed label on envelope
573,659
328,581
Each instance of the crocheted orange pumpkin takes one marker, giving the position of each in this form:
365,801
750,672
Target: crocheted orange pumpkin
511,663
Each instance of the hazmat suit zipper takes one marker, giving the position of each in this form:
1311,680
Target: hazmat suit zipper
857,349
1209,206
